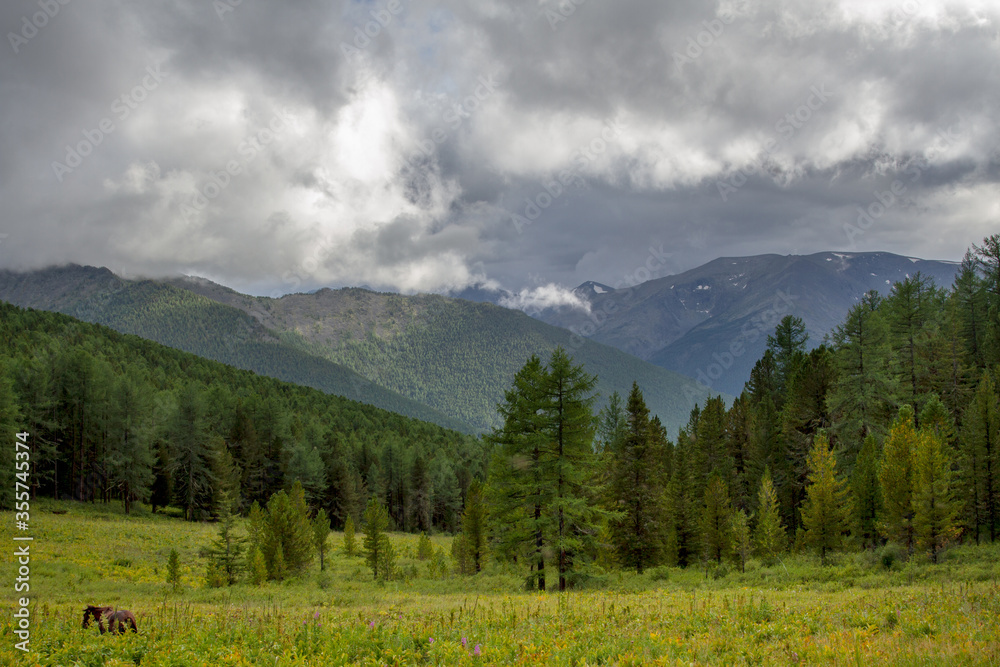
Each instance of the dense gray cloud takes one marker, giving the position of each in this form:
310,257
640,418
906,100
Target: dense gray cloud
528,144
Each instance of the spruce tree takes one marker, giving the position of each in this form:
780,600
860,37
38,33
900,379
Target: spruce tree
226,551
635,488
826,508
716,521
788,345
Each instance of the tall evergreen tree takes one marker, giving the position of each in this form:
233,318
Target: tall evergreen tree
635,488
934,508
979,463
826,508
716,521
861,398
788,345
473,538
570,431
376,522
519,486
194,483
321,535
866,491
896,479
769,539
909,310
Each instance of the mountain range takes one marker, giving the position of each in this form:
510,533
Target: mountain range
438,359
711,323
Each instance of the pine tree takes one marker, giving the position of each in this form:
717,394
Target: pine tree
769,537
376,522
257,567
934,509
896,479
635,482
826,508
287,533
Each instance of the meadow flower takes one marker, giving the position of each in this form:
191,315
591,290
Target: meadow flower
464,642
476,651
371,624
430,641
316,616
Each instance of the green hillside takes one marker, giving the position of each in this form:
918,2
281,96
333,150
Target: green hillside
455,356
184,320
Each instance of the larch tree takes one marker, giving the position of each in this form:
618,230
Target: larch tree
896,479
769,538
934,508
862,395
826,509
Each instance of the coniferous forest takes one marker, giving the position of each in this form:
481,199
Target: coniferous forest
884,435
114,416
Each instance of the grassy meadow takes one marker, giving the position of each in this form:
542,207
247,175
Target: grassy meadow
861,610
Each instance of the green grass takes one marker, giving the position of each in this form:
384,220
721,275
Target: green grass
854,612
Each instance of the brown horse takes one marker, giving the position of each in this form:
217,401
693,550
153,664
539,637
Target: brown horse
118,620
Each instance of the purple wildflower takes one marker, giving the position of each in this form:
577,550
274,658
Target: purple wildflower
476,651
464,642
430,641
371,625
316,616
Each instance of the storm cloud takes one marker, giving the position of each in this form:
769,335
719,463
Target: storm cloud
529,145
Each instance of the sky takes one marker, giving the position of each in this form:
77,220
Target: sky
529,145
